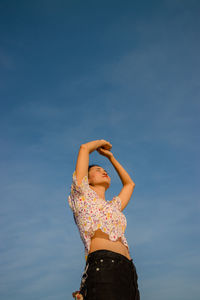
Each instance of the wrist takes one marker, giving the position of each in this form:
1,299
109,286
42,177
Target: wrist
93,145
111,157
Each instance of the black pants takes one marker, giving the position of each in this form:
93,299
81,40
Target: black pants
109,276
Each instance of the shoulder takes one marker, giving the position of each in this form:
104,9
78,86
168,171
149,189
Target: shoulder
81,194
83,186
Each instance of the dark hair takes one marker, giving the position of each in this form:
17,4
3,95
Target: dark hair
94,165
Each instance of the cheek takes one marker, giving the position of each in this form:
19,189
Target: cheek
97,177
92,178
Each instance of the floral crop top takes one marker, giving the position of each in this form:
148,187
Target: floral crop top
92,213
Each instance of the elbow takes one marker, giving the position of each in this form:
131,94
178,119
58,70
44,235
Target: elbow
83,146
132,184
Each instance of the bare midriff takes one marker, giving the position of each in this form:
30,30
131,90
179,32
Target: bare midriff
100,240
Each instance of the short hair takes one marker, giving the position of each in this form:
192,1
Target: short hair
94,165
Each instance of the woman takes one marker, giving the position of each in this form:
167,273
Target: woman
109,271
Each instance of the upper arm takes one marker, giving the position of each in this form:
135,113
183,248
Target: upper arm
125,194
82,163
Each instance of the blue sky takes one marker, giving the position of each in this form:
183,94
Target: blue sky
75,71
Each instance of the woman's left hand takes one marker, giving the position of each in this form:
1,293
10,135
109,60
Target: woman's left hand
77,295
104,152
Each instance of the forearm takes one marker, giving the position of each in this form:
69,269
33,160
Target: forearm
124,176
93,145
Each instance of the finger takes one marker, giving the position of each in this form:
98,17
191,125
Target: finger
99,151
107,144
107,147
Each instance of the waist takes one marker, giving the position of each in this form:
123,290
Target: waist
100,240
104,253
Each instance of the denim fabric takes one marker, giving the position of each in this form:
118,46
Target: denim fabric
109,276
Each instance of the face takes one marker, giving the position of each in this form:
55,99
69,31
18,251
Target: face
99,176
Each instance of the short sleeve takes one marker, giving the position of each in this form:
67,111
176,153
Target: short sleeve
116,201
82,187
77,191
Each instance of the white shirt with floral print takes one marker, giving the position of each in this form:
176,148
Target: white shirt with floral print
92,213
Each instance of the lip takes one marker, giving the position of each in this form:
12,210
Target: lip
105,175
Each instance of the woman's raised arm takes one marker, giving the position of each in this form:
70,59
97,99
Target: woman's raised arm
128,184
82,162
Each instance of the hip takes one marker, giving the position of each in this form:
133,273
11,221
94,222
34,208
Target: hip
109,275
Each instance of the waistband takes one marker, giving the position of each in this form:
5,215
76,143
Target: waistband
107,254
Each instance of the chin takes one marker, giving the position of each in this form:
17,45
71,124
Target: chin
108,186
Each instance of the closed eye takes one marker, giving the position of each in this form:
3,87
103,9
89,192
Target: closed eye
99,169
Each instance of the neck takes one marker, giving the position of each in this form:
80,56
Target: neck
100,190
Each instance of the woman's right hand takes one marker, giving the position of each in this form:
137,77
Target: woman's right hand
105,145
94,145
